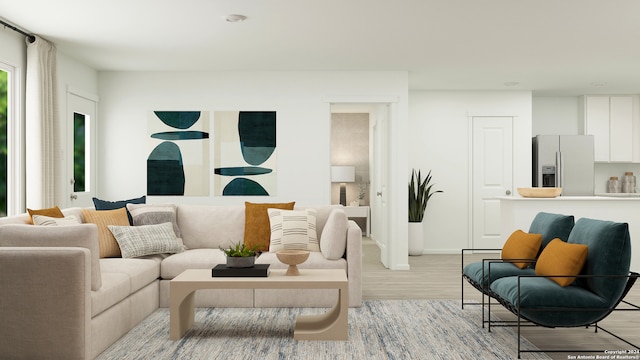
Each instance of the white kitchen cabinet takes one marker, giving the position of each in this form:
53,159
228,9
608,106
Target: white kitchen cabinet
615,124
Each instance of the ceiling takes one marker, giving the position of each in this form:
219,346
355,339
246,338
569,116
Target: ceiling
552,47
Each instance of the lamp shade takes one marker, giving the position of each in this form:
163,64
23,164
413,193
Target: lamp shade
343,174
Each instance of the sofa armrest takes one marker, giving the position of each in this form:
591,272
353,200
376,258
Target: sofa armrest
354,263
45,307
81,235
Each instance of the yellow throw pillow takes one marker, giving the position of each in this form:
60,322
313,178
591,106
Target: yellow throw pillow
257,229
521,245
561,258
108,245
54,212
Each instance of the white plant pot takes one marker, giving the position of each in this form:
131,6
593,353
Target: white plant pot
416,238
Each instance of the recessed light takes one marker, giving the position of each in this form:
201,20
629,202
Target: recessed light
598,84
511,83
234,18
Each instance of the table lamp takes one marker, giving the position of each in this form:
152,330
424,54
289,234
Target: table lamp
343,175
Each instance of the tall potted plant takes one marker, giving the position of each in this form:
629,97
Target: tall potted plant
419,194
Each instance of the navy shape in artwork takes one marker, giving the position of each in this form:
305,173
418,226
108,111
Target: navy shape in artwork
178,119
242,186
165,171
257,131
181,135
242,171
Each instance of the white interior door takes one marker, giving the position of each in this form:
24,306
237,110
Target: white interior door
379,182
81,158
492,176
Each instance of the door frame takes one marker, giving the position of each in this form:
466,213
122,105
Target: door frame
397,256
90,102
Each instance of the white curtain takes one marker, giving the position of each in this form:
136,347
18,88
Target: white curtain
40,117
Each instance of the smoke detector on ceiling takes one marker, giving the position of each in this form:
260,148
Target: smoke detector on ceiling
234,18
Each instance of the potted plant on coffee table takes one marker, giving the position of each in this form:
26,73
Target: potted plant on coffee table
240,256
419,194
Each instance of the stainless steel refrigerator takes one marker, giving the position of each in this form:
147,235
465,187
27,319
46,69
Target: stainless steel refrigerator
564,161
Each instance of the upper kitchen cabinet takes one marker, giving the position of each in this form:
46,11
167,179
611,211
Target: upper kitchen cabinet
614,122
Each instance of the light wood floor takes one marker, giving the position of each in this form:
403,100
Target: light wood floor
438,277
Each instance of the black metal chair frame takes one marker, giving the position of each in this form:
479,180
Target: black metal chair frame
470,281
516,310
484,291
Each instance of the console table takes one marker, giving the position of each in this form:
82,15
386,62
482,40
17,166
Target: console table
332,325
360,212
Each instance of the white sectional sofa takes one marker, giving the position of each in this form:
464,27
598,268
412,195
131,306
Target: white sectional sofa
59,300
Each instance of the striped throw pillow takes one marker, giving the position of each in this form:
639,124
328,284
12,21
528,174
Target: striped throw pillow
293,230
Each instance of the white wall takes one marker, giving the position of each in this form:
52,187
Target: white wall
439,138
12,47
303,122
555,116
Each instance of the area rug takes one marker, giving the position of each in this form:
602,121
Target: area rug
380,329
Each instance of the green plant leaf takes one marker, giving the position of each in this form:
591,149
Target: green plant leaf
419,194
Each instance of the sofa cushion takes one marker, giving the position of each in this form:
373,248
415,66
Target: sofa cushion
141,271
108,244
257,230
81,235
521,245
112,205
146,214
551,226
322,215
121,278
52,212
115,288
560,258
333,242
211,227
609,254
136,241
42,220
175,264
293,230
474,272
538,293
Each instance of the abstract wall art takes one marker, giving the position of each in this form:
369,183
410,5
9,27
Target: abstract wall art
245,153
178,163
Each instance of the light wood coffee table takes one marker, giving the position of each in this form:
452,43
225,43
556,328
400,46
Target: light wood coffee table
332,325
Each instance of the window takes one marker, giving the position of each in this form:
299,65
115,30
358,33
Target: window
4,118
80,128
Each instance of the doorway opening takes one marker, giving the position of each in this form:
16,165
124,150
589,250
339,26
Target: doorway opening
359,139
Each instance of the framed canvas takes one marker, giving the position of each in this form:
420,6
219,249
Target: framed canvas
245,153
178,162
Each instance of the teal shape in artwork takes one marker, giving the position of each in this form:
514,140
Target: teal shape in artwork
181,135
257,131
165,170
178,119
242,186
242,171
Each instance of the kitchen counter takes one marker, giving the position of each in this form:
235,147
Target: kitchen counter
603,197
517,213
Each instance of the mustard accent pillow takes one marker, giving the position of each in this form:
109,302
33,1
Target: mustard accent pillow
54,212
561,258
102,218
521,245
257,229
